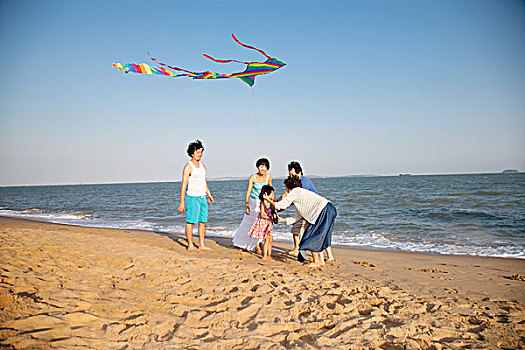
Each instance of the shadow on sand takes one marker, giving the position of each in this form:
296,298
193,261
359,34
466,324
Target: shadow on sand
278,253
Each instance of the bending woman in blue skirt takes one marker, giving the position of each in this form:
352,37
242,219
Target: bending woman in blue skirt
318,212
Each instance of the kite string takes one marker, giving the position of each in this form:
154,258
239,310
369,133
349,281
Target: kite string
256,123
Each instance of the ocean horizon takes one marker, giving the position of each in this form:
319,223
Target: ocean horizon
240,178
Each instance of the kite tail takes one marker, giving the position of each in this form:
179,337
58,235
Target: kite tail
249,47
224,61
170,67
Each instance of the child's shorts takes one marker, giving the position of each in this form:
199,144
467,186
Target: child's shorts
196,209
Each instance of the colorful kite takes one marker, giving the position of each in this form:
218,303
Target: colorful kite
252,70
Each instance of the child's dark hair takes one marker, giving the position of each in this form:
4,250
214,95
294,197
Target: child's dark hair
292,182
263,161
296,166
194,146
266,189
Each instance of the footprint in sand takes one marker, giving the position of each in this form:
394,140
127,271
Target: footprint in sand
424,270
364,263
516,277
440,278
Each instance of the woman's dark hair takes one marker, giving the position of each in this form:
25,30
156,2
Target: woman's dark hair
263,161
266,189
292,182
194,146
296,166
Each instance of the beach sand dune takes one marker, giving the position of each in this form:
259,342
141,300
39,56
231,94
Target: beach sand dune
69,287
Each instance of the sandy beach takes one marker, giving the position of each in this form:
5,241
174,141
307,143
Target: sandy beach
69,287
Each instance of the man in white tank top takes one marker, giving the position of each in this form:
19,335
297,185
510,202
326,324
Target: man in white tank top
195,195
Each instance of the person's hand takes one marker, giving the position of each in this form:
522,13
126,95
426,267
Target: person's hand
181,208
247,209
210,198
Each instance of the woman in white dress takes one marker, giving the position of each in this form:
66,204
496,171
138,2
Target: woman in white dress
255,183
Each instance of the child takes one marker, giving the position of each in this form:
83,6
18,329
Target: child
263,226
195,200
255,184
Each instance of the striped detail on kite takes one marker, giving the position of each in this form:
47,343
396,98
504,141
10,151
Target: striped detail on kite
250,80
272,65
144,69
258,68
165,71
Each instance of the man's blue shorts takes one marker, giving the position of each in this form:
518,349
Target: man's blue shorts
196,209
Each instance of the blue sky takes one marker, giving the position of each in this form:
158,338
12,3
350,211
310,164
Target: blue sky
370,87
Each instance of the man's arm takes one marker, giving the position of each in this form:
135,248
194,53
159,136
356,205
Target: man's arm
185,176
208,193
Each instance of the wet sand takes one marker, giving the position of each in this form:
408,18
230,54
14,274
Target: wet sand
69,287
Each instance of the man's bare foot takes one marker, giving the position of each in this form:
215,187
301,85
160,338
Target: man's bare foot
267,258
313,265
331,261
293,252
202,247
191,248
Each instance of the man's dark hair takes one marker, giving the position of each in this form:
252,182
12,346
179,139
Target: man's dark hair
296,166
266,189
263,161
292,182
194,146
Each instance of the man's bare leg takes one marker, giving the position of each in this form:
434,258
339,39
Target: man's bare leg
189,236
295,250
202,233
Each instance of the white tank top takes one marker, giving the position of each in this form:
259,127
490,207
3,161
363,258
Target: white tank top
197,181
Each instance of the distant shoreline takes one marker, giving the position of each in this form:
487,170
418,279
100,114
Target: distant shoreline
239,178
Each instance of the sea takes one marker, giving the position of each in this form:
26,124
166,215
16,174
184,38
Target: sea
474,214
